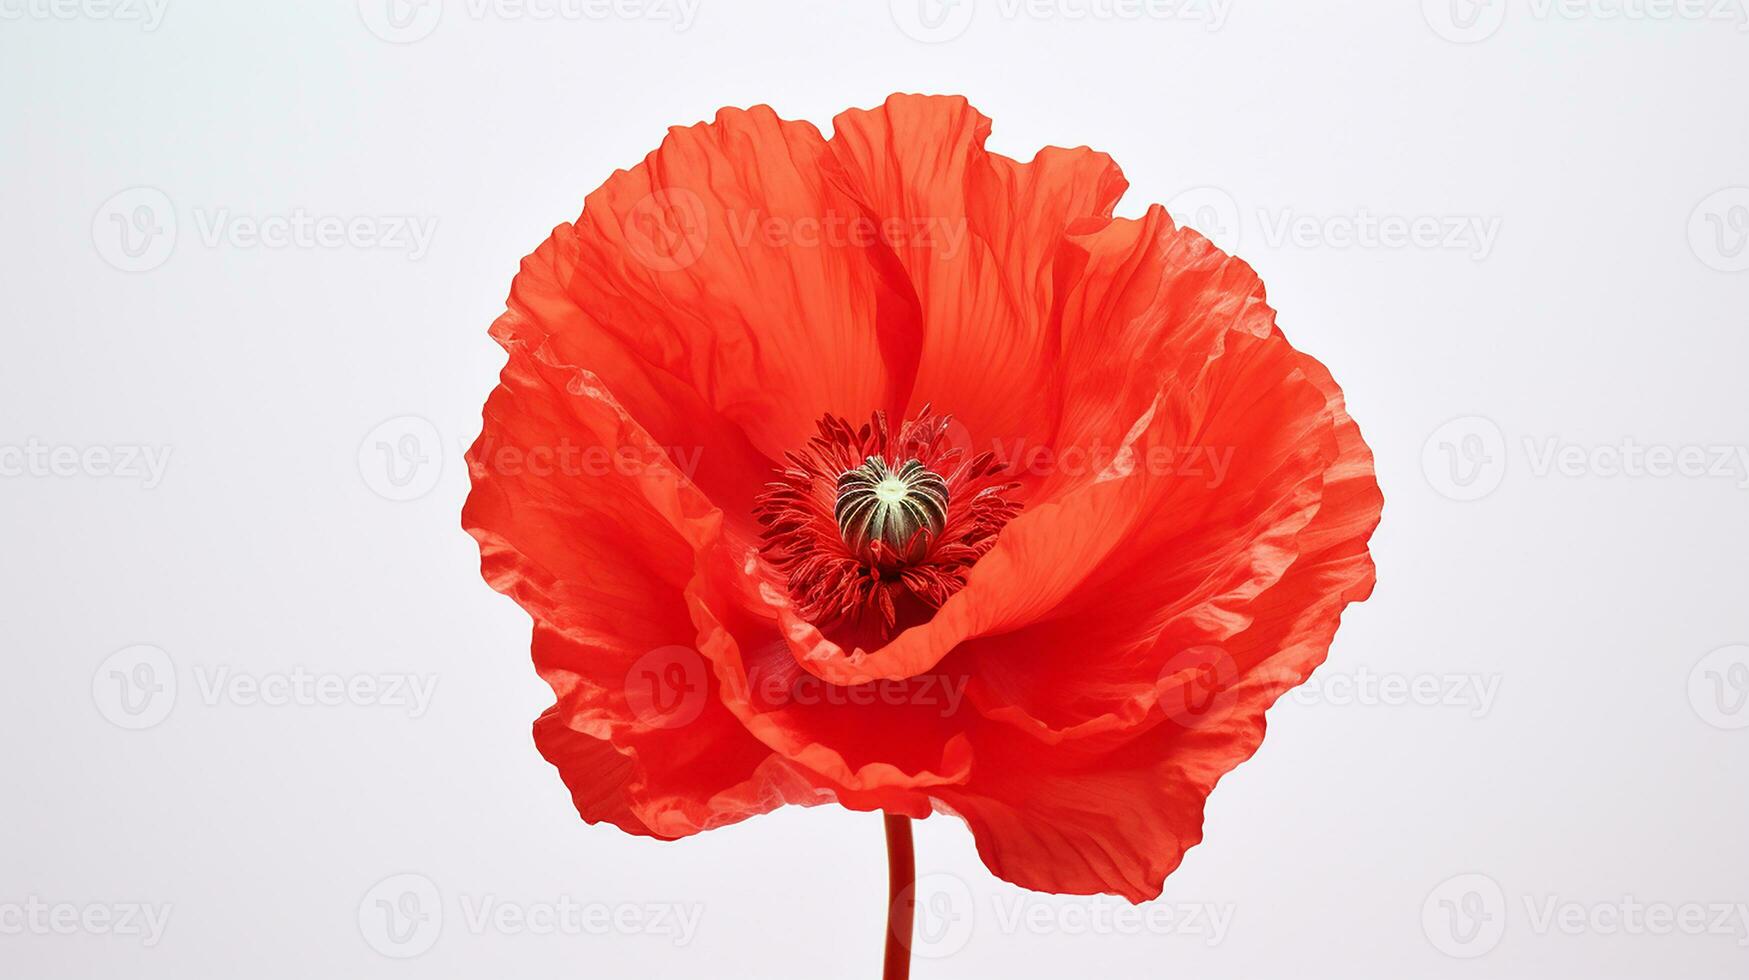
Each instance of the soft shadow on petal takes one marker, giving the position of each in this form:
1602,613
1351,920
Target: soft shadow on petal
722,292
975,234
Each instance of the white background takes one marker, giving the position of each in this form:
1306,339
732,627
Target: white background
1603,314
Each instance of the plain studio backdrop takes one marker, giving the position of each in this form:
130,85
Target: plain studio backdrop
262,718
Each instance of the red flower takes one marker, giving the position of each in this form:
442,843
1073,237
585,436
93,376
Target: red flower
887,471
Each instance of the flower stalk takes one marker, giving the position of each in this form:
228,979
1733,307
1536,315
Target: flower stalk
901,897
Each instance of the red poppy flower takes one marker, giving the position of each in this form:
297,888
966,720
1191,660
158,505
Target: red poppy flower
888,471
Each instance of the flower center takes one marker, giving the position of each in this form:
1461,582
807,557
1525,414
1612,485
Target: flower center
873,529
902,510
